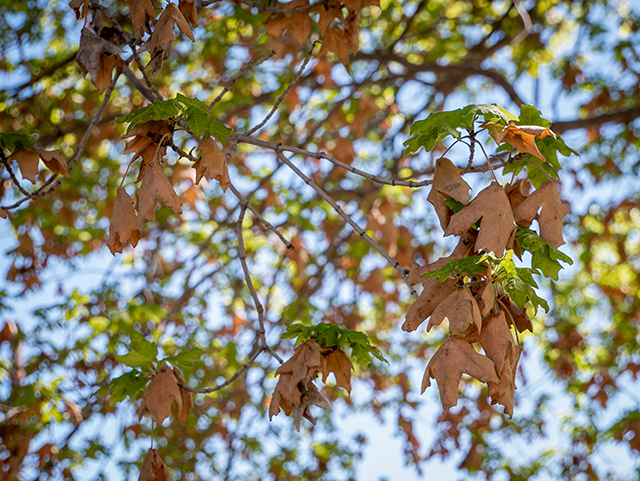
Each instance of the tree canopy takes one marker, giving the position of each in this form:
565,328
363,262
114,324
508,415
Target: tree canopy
265,201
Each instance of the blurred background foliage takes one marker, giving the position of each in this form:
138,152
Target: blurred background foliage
183,286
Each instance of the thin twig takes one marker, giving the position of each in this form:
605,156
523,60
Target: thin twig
286,91
395,264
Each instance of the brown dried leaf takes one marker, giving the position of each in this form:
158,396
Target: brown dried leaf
518,192
163,34
107,64
503,392
185,396
212,164
487,298
3,213
80,7
74,410
455,357
161,393
522,137
432,295
27,160
521,319
155,187
89,51
460,308
335,42
338,363
140,11
447,184
497,225
298,23
189,11
123,227
54,161
310,397
153,468
550,219
497,341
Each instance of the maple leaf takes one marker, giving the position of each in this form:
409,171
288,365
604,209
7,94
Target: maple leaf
55,162
432,295
497,226
123,227
487,298
503,392
106,65
299,23
455,357
552,212
163,34
522,137
140,11
185,396
310,397
153,468
80,7
161,393
155,187
338,363
27,160
519,317
517,192
334,41
496,340
91,48
460,308
189,11
212,164
447,184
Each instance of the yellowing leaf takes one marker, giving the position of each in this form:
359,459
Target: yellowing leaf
163,34
161,393
212,164
522,137
551,216
123,223
155,187
460,308
447,184
153,468
497,226
455,357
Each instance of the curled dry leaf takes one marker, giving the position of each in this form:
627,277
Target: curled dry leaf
497,341
432,295
522,137
80,7
460,308
153,468
189,11
517,192
310,397
455,357
447,184
89,51
163,34
185,396
519,317
487,298
141,12
161,393
155,187
552,212
54,161
212,164
107,64
503,392
338,363
497,226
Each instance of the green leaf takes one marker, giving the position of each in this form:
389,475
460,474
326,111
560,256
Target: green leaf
143,347
16,140
158,110
187,358
529,115
133,359
327,334
200,120
545,257
457,268
453,205
550,148
129,384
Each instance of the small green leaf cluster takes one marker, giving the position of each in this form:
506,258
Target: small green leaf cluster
329,335
544,256
16,140
143,359
194,111
458,268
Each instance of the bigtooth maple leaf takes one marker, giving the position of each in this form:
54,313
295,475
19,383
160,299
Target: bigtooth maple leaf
497,341
155,187
123,227
163,34
460,308
140,11
432,295
338,363
447,184
27,160
550,219
497,226
455,357
522,137
161,393
212,164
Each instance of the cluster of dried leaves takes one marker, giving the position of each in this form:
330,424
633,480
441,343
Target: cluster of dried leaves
477,308
295,392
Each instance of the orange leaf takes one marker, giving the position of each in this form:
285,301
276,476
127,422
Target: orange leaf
123,223
140,11
335,42
106,65
522,137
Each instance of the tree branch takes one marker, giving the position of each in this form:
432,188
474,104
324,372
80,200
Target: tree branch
622,116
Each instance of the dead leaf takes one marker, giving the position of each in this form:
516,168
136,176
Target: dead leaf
503,392
74,410
522,137
460,308
141,10
310,397
338,363
520,318
161,393
123,227
155,187
447,184
455,357
186,397
518,192
3,213
551,216
80,7
153,468
487,298
107,64
212,164
54,161
497,226
89,51
432,295
163,34
27,160
189,11
497,341
335,42
299,23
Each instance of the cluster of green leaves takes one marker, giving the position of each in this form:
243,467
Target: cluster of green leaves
544,256
143,359
458,268
331,335
16,140
194,112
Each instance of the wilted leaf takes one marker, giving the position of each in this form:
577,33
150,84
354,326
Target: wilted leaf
141,10
460,308
163,34
310,397
447,184
212,164
338,363
432,295
155,187
123,223
89,51
497,225
80,7
455,357
153,468
161,393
